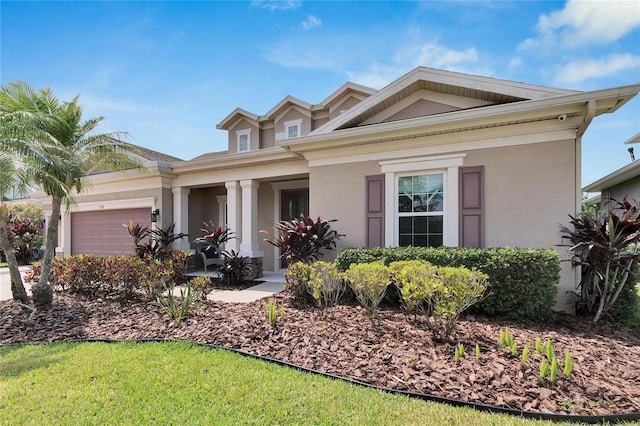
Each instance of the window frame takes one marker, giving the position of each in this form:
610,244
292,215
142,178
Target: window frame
437,213
239,135
297,124
448,164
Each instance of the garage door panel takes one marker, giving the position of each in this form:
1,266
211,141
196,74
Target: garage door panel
102,232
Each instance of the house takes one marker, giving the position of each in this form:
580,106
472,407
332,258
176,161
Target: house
621,183
434,158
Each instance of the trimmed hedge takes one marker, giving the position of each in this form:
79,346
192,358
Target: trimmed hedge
523,283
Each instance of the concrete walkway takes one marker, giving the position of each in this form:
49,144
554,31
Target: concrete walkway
5,282
273,283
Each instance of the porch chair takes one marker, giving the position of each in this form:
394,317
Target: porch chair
210,256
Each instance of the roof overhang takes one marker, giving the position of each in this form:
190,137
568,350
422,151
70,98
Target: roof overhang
623,174
233,160
574,104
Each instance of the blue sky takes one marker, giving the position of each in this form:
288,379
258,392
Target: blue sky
168,72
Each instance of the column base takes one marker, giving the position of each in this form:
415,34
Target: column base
254,268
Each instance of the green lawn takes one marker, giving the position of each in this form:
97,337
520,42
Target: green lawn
178,383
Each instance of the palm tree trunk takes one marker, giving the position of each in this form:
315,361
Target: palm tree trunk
17,287
42,292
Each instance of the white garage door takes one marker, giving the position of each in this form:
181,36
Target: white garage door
101,232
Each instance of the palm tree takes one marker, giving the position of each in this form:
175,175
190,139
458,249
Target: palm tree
76,149
20,138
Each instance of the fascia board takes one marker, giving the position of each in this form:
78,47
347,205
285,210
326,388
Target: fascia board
512,88
224,124
625,173
287,100
633,139
450,121
237,159
346,87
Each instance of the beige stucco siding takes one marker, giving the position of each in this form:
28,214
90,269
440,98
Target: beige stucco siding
338,192
266,221
523,179
203,207
254,136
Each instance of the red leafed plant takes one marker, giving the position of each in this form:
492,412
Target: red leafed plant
303,240
214,235
606,251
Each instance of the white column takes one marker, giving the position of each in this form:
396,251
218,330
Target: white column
249,246
234,212
64,235
181,216
390,206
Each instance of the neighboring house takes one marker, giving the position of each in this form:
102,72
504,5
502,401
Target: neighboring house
434,158
624,182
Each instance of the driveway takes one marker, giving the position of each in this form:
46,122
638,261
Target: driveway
5,283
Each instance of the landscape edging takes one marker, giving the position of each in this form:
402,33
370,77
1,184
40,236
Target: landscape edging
594,419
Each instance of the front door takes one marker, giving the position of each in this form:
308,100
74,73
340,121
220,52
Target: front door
293,204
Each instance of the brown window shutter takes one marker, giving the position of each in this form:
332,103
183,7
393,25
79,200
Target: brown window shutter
471,192
375,211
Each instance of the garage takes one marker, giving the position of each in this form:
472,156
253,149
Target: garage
102,232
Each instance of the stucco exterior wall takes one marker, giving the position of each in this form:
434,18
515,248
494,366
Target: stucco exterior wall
265,221
267,138
254,136
629,189
338,192
203,207
521,179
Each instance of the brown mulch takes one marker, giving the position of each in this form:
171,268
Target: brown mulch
397,353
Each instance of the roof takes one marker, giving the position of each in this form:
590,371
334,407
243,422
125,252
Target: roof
623,174
633,139
152,155
467,85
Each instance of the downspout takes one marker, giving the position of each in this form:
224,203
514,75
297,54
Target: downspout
297,154
591,112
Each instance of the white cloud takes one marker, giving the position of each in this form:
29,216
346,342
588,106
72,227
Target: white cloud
277,4
578,71
311,22
514,63
584,23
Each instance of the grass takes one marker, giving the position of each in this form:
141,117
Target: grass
179,383
3,264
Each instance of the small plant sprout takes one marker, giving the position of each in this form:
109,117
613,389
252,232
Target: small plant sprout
506,339
459,352
549,351
525,354
553,373
544,369
514,349
477,351
568,364
273,311
538,345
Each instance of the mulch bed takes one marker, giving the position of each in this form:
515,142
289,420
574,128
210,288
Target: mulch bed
397,353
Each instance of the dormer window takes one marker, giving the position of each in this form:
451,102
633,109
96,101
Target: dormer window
292,128
292,131
243,139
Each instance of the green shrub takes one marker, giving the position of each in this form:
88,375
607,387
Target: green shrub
369,282
626,306
325,284
296,280
115,277
440,294
523,281
168,304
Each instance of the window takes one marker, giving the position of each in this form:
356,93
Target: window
292,131
420,209
243,140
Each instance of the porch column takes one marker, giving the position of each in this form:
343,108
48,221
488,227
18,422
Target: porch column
64,235
181,216
249,246
234,218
